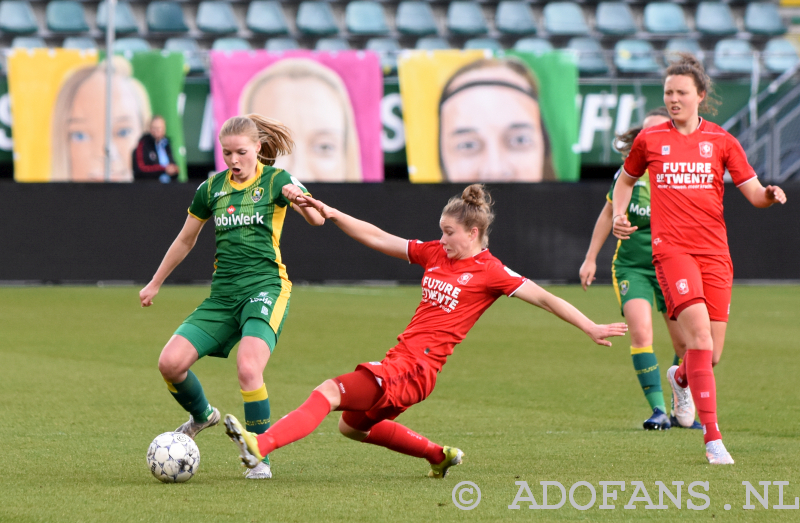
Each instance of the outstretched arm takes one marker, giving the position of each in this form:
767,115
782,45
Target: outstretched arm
292,192
601,230
535,295
359,230
182,245
623,190
760,196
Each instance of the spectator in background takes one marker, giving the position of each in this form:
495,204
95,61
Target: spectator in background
152,159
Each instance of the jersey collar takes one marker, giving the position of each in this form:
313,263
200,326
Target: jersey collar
248,183
699,126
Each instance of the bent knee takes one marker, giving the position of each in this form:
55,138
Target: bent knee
170,367
330,390
349,432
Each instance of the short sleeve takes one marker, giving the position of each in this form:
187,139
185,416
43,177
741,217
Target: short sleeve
502,280
201,205
423,253
736,162
610,195
636,162
284,178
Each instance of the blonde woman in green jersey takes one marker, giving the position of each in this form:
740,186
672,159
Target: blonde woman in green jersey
250,289
635,282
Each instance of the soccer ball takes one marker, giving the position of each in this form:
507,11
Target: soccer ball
173,457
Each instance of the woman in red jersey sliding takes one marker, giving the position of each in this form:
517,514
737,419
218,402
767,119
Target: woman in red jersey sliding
686,159
461,280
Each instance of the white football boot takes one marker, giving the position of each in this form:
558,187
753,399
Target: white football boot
191,428
717,454
261,471
682,398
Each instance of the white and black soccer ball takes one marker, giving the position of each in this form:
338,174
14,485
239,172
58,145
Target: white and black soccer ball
173,457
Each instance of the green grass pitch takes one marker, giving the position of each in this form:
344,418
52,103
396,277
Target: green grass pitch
526,396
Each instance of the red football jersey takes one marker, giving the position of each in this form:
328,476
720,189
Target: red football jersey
454,295
686,184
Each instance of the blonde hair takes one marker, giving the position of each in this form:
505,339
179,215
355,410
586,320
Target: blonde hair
274,137
472,209
300,69
59,139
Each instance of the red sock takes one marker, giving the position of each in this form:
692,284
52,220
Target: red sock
680,374
398,438
704,391
296,425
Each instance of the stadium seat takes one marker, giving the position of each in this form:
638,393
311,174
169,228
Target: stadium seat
190,50
466,18
733,56
66,16
763,18
79,42
332,44
483,43
365,17
281,44
615,18
165,16
316,19
715,19
216,17
266,17
779,55
28,42
432,44
682,45
589,55
514,18
387,49
415,18
128,46
664,18
634,56
565,19
124,21
231,44
17,17
533,45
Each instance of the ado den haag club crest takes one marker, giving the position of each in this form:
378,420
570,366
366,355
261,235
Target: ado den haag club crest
623,287
258,193
706,149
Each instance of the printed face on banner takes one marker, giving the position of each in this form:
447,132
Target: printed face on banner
60,112
330,102
490,126
78,136
474,117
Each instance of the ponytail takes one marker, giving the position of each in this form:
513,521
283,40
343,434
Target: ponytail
274,137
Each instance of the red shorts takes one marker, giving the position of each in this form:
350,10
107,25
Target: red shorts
687,279
405,380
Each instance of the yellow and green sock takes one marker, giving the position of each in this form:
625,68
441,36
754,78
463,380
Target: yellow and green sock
189,394
646,366
257,411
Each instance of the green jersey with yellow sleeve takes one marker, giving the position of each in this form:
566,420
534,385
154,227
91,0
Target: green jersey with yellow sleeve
637,251
248,222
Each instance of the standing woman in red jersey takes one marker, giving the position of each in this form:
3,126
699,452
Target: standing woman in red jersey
461,280
686,159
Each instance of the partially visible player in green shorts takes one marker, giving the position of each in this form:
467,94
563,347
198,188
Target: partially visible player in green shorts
635,281
250,289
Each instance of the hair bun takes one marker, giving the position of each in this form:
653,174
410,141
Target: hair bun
476,195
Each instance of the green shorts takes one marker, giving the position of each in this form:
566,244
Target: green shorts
633,283
221,321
